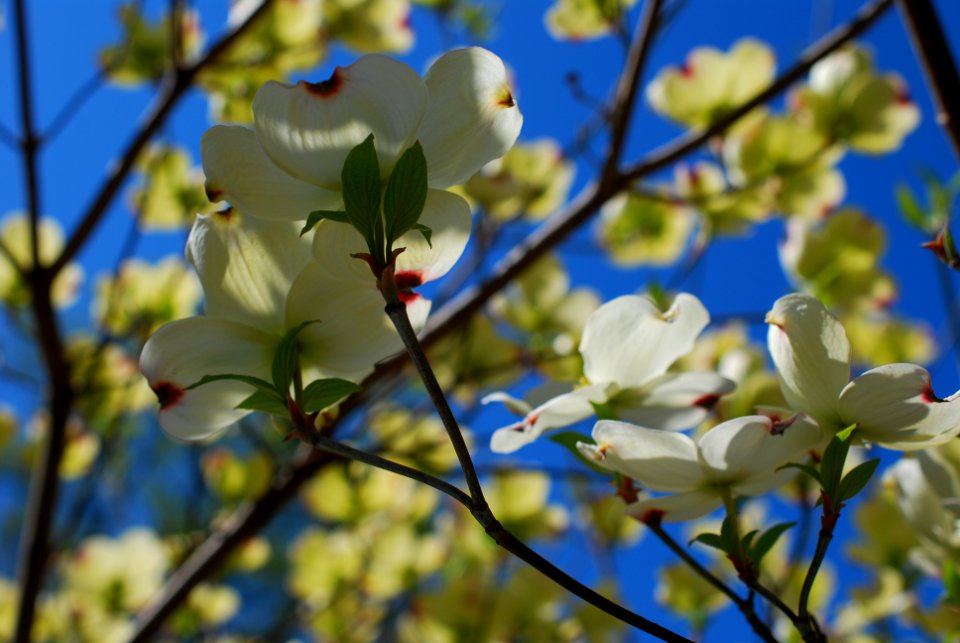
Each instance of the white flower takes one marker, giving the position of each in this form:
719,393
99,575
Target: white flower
628,344
462,112
259,281
893,405
739,457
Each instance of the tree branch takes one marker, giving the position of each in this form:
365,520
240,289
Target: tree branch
939,66
176,86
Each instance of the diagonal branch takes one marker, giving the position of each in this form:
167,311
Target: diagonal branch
938,63
176,86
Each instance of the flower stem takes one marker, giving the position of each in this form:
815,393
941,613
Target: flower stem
478,506
745,606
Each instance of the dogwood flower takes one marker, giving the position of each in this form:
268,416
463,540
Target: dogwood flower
462,112
628,344
892,405
739,457
259,281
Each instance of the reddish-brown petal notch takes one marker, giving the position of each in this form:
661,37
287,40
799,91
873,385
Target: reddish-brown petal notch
168,393
325,88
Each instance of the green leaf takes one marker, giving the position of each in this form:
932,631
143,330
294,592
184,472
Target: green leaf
951,582
255,382
710,540
845,434
910,208
857,478
361,191
269,402
831,466
317,216
604,411
766,541
569,439
425,231
285,358
727,535
805,468
747,540
320,394
406,193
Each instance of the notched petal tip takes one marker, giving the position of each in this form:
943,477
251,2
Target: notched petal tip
325,88
168,394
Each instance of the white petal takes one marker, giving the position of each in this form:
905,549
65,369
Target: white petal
448,216
812,354
246,266
684,506
739,450
557,412
309,128
920,503
673,401
894,406
239,171
353,332
629,341
183,351
660,460
471,116
513,404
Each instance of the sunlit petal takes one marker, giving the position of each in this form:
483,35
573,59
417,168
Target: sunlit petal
660,460
471,117
812,355
630,341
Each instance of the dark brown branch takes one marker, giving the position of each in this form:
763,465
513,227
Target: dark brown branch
625,97
245,523
687,143
939,66
34,540
745,606
176,86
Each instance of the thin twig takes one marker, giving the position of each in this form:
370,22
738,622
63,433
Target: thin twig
320,441
938,64
745,607
34,542
478,505
84,93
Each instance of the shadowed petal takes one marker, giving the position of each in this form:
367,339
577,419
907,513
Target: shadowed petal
309,128
894,406
684,506
239,171
353,332
182,352
673,401
246,266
